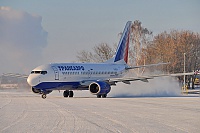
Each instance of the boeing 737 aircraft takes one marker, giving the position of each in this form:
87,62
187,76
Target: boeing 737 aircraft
95,77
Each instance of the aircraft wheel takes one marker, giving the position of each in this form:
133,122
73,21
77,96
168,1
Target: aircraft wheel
44,96
71,93
98,96
66,93
104,95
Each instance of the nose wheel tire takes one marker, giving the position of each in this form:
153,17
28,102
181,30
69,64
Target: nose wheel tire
44,96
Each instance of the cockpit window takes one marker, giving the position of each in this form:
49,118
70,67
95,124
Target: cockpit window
39,72
43,72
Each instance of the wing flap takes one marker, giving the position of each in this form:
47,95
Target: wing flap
127,80
145,78
150,65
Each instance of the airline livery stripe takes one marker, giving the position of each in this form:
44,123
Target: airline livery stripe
122,51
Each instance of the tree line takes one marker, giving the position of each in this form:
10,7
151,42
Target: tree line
148,49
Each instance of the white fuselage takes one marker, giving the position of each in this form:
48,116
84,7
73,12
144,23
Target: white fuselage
96,77
60,75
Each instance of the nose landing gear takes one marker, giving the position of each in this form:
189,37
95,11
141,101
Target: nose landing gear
66,93
44,96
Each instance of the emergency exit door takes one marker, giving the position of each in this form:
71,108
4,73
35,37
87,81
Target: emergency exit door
56,72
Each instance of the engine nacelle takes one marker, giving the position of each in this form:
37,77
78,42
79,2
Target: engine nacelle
99,87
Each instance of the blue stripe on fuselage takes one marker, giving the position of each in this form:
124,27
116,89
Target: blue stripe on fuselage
53,85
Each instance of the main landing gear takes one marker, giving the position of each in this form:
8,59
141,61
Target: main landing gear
103,96
68,93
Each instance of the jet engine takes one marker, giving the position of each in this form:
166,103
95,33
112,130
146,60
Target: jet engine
99,88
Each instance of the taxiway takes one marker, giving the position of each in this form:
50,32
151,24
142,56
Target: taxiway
26,112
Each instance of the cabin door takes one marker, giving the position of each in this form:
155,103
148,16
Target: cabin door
56,72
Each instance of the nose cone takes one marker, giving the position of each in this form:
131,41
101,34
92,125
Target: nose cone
33,79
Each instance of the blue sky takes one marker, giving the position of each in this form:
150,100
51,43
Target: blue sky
74,25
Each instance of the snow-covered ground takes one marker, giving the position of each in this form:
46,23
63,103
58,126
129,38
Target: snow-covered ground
27,112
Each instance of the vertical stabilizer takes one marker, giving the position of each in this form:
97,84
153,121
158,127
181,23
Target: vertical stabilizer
123,46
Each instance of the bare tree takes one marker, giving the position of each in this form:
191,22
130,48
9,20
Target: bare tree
140,38
84,56
144,49
170,47
101,53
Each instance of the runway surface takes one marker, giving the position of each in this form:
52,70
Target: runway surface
22,112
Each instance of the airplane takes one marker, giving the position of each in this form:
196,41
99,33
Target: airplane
95,77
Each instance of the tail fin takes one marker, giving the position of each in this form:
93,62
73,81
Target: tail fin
123,46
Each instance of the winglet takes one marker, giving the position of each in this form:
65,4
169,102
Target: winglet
123,46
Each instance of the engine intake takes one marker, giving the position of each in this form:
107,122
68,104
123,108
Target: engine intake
99,87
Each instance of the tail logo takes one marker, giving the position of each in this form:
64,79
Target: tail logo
122,50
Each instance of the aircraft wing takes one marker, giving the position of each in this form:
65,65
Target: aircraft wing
133,67
127,80
15,75
173,75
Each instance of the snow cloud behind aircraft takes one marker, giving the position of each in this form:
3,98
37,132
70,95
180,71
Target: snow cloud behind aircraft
157,87
22,40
